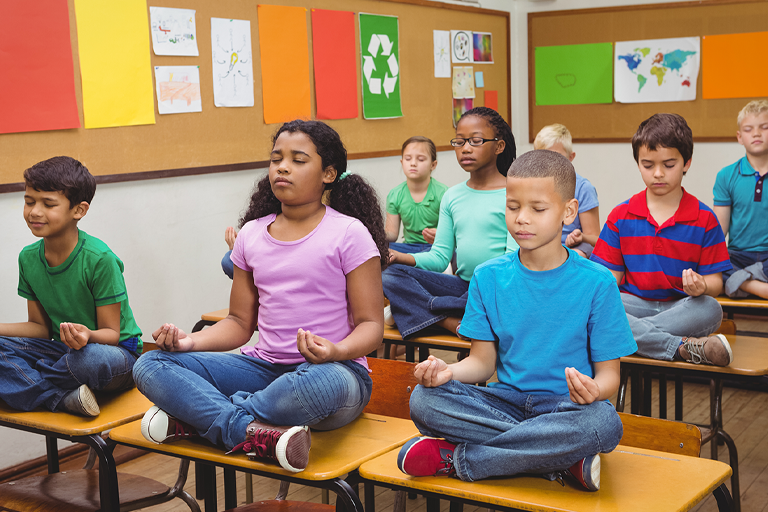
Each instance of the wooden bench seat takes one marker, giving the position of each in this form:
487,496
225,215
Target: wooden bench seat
430,339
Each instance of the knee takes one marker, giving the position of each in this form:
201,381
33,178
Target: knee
709,305
422,403
145,366
608,426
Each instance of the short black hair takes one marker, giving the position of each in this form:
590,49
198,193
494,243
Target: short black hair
62,174
666,131
543,163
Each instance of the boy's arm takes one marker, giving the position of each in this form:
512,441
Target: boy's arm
76,336
723,214
477,367
590,225
38,325
585,390
618,275
392,227
695,284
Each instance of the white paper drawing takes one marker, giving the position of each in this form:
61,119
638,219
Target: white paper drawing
178,89
442,48
173,31
463,82
656,70
461,46
232,63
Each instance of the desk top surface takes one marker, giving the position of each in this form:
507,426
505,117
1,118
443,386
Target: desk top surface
751,302
631,479
750,357
334,453
116,409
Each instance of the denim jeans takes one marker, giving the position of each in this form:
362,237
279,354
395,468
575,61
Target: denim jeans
503,432
227,266
409,248
747,265
658,327
35,372
420,298
220,394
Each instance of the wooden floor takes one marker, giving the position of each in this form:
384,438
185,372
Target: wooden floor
746,420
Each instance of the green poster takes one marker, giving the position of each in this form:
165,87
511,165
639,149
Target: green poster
574,74
380,53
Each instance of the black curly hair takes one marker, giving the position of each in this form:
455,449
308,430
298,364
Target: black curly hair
351,196
503,131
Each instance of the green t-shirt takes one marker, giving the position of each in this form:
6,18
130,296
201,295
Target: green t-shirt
471,222
416,217
91,276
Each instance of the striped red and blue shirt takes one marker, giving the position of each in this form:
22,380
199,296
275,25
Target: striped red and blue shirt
653,257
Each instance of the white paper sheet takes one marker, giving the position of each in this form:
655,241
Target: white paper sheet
232,63
173,31
461,46
178,89
442,48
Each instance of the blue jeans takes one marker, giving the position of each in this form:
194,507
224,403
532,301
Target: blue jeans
747,265
658,327
502,432
227,266
220,394
420,298
39,372
409,248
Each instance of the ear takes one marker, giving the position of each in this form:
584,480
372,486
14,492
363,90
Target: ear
434,164
80,210
571,211
500,146
687,166
738,137
329,174
573,155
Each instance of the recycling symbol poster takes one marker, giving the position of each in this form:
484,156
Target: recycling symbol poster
380,52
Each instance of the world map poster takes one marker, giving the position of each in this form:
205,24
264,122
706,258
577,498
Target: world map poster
656,70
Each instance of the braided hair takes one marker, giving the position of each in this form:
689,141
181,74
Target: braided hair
503,132
352,196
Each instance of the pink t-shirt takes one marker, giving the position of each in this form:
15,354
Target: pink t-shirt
302,284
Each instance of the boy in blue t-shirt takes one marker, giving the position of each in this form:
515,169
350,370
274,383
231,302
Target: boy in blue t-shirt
548,413
740,208
80,334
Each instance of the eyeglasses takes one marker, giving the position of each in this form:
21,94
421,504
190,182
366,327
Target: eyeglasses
473,141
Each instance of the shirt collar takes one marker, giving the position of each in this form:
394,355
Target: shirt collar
745,168
687,210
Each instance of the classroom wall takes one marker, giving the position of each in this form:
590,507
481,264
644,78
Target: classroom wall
169,232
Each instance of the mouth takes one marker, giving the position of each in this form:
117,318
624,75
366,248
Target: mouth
659,184
467,161
523,234
36,224
282,181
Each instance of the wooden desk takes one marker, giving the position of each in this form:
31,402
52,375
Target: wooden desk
630,479
334,454
430,339
748,306
116,410
211,318
750,360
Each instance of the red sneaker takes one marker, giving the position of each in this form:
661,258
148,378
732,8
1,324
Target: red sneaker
587,472
289,446
426,456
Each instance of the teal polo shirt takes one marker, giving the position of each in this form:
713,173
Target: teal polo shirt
741,187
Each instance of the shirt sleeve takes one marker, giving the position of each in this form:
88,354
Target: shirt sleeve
721,191
238,251
357,247
439,256
608,329
108,282
24,289
475,323
393,208
587,197
608,247
714,252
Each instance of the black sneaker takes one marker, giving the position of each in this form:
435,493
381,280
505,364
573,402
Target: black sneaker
289,446
80,401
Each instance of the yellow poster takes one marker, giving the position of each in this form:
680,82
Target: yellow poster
113,41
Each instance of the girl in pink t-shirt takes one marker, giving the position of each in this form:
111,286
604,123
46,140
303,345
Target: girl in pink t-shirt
308,276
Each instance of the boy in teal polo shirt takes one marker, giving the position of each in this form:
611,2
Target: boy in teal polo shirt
740,207
80,334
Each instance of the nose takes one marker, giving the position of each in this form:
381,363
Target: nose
658,171
522,217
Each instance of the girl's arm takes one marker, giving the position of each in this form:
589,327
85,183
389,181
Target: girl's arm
366,300
392,227
231,332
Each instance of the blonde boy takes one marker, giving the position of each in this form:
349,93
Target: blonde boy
582,234
740,207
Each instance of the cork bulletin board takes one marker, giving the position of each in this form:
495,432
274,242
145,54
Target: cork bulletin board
712,120
227,139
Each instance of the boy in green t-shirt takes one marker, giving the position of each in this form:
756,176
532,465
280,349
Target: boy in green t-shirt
80,334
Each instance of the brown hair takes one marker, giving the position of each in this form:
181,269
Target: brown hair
666,131
423,140
543,163
62,174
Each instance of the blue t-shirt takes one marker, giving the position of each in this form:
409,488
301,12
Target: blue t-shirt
740,187
587,196
543,322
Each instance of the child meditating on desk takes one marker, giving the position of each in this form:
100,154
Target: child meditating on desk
549,409
80,334
309,276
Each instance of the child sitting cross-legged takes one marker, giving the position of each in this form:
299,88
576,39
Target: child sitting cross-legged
667,252
548,413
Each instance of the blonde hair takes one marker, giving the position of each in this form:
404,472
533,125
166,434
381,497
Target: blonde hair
755,107
551,135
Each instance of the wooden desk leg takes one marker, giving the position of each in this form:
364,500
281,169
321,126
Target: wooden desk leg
716,419
635,405
208,476
370,499
724,500
678,398
714,413
410,353
622,394
108,489
647,386
456,506
199,481
230,488
663,396
433,504
346,499
52,449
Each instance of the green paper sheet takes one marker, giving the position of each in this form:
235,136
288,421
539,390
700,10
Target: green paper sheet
574,74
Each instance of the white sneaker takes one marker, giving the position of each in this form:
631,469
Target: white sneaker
388,318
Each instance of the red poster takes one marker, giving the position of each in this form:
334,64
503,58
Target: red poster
491,99
333,49
37,83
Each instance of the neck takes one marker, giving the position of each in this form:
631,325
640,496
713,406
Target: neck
417,186
60,246
671,200
547,257
759,163
487,178
302,213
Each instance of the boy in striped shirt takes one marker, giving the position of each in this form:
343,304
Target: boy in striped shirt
667,252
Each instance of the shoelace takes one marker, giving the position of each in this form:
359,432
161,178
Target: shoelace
446,457
183,431
696,351
262,444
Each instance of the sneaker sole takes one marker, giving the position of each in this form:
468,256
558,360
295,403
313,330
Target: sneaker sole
281,449
404,452
147,419
727,347
88,401
593,471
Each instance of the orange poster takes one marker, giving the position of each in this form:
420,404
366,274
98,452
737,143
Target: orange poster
284,63
730,68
